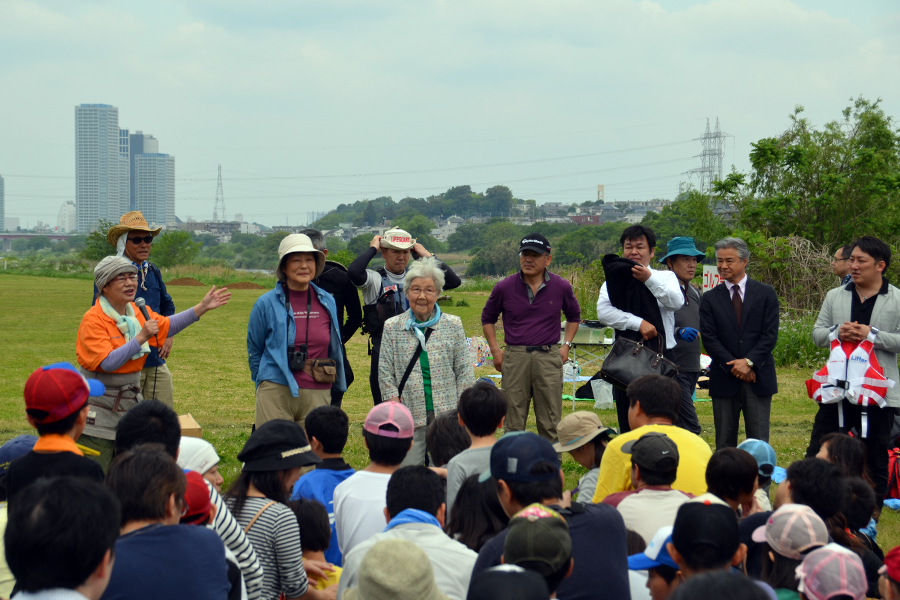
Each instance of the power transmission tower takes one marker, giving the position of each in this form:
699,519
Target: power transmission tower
219,208
712,157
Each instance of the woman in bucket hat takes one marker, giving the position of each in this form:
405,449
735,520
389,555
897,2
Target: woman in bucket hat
273,457
294,338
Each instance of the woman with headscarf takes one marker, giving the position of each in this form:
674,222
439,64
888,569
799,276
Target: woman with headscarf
425,362
294,338
114,340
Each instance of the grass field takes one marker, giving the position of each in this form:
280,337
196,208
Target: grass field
39,318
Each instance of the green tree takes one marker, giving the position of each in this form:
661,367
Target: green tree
417,225
358,245
95,246
174,248
498,200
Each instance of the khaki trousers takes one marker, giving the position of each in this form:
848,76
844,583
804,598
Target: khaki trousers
164,391
537,375
106,448
274,401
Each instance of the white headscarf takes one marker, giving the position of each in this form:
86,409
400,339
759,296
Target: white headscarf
195,454
143,267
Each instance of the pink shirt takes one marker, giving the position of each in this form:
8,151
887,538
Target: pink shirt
319,333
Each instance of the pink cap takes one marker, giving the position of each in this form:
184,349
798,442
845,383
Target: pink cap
390,413
793,530
831,571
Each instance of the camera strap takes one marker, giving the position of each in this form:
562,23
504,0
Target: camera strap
290,310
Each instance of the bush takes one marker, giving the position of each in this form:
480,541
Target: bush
462,302
795,347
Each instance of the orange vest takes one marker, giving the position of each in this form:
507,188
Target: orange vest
98,336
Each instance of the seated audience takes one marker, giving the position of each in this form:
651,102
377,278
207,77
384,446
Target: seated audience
819,485
155,423
273,457
508,582
327,428
830,573
9,451
61,539
653,503
196,454
889,582
663,575
56,404
705,537
359,500
637,579
720,584
480,516
395,569
155,557
653,405
446,438
481,411
584,437
847,452
855,514
731,475
766,461
538,540
415,511
790,533
315,532
526,469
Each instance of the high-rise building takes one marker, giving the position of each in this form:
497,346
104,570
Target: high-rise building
139,143
2,206
66,221
101,178
155,188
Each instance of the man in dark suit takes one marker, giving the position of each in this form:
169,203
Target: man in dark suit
739,326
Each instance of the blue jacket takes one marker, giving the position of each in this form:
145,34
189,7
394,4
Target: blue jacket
268,333
157,298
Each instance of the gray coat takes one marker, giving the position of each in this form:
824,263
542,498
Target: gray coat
885,316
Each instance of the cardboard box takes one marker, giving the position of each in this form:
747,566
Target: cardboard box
189,427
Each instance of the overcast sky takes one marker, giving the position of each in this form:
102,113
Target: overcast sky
308,104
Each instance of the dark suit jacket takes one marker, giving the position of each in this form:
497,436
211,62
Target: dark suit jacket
755,339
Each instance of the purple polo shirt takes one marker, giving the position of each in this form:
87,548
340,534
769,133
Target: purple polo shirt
527,322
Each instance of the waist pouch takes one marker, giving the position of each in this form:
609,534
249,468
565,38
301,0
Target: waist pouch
322,370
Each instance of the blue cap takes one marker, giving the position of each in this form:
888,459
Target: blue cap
779,474
656,553
516,453
682,246
15,448
763,453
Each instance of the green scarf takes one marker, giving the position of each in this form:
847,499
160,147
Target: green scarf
127,324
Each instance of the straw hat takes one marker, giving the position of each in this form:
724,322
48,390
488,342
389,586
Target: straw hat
130,221
297,242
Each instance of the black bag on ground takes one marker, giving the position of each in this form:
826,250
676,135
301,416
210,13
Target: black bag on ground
629,360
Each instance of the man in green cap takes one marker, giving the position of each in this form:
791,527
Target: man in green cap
682,257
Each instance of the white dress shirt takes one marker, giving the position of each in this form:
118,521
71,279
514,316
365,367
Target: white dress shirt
742,288
665,288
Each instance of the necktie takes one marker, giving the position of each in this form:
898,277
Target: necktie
737,302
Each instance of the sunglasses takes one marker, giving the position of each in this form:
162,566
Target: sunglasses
147,239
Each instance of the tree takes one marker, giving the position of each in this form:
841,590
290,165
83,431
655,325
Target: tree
499,200
174,248
359,244
96,247
417,225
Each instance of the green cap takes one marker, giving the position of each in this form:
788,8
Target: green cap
538,534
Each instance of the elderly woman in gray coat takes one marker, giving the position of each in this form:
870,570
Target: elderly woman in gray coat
425,362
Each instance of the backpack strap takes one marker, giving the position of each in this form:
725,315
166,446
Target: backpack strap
258,515
412,362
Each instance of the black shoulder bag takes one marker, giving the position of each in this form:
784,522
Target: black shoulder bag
412,363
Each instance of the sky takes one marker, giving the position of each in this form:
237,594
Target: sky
309,104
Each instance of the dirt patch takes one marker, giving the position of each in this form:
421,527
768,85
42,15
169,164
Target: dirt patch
185,281
245,285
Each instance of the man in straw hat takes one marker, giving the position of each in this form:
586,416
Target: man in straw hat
132,238
382,288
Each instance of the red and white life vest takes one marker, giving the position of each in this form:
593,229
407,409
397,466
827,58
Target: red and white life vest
852,373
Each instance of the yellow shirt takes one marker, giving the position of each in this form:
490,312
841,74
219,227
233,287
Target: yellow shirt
333,577
693,455
7,581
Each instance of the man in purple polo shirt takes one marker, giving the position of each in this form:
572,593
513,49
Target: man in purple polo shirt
530,302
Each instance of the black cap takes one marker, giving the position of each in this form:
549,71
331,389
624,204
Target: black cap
654,450
275,446
508,582
706,524
536,242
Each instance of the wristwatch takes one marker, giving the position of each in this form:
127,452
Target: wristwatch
569,344
749,362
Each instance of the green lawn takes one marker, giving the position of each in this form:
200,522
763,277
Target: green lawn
39,320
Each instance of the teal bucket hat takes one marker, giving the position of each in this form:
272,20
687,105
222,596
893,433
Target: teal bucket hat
683,246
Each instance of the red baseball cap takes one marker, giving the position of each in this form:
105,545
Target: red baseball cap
891,566
196,500
59,390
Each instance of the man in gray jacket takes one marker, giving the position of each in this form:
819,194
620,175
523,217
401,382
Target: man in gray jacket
868,304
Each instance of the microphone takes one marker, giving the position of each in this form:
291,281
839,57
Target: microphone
142,304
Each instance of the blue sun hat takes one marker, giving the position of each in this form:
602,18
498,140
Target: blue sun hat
682,246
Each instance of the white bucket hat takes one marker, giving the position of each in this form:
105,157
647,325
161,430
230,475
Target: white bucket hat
297,242
397,239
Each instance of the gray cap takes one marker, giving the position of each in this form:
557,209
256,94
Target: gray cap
654,450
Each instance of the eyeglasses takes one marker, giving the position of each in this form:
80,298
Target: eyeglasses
417,291
147,239
124,278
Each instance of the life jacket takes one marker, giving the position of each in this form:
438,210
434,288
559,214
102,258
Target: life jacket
388,304
852,373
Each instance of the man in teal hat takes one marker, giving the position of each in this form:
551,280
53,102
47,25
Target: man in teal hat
682,257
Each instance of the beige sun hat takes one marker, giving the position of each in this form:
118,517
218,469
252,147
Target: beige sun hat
297,242
395,569
397,239
577,429
130,221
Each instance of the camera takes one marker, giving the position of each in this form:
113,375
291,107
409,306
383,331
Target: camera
297,357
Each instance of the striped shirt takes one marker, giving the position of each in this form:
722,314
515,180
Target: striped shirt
276,537
226,526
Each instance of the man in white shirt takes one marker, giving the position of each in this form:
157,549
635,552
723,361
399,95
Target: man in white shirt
639,244
415,511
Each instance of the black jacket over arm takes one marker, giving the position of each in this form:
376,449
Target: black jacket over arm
631,295
724,341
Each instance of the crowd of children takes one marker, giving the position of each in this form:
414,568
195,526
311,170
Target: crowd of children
657,515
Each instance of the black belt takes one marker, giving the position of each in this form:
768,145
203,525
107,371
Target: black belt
537,348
